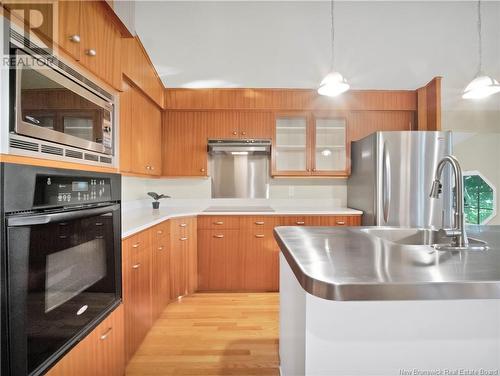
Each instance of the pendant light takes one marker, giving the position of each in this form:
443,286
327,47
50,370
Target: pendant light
333,84
482,86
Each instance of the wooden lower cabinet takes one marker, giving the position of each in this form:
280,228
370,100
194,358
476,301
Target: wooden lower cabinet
101,353
260,260
183,257
220,260
239,253
160,273
136,253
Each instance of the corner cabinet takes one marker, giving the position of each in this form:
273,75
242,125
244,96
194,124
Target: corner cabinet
310,144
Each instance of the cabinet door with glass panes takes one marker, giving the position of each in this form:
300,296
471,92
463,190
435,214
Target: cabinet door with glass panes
329,145
291,152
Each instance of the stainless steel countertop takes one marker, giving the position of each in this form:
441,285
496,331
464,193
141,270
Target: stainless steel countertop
349,264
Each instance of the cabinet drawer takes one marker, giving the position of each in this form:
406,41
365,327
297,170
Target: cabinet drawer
251,222
215,222
137,243
337,220
182,227
291,220
160,235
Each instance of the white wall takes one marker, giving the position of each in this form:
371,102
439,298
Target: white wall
136,189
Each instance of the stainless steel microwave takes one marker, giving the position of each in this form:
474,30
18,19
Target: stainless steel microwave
51,101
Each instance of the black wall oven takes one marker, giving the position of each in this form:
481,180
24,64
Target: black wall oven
62,260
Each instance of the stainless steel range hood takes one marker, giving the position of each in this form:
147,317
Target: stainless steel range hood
239,168
239,146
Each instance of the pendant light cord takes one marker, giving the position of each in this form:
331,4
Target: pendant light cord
332,34
480,39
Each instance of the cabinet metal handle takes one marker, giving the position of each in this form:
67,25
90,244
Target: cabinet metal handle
160,248
105,334
314,169
243,133
159,232
136,266
136,245
183,225
218,236
259,235
340,223
148,167
235,133
183,238
75,38
300,223
259,223
219,223
151,167
308,169
202,169
91,52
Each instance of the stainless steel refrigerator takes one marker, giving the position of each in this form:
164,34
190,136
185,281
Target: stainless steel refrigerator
391,177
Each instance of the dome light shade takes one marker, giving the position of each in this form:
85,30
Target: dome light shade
481,87
333,84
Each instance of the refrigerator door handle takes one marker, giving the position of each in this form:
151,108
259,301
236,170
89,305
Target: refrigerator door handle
386,182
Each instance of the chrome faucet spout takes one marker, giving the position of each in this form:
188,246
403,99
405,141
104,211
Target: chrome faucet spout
459,235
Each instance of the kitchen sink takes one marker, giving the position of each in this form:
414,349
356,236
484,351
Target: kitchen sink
420,236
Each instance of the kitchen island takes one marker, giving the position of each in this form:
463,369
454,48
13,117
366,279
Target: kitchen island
382,301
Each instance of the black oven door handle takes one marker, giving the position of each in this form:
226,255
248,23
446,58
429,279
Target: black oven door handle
41,219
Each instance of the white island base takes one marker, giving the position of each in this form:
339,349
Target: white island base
427,337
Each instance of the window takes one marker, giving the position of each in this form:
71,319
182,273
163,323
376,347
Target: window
480,198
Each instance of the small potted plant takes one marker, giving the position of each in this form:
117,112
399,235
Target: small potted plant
156,197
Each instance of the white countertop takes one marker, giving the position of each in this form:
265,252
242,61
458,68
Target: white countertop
139,216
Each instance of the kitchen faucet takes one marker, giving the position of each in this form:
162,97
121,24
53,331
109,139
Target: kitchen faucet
458,235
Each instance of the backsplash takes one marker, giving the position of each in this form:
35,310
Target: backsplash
134,188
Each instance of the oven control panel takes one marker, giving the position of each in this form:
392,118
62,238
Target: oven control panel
67,190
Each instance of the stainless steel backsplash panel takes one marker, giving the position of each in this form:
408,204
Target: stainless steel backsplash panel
239,176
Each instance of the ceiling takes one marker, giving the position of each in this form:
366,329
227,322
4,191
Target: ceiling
378,45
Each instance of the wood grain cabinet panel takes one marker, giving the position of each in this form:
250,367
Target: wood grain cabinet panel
219,222
138,68
140,133
183,257
101,353
256,125
136,271
364,123
69,36
160,276
220,260
261,260
100,43
185,144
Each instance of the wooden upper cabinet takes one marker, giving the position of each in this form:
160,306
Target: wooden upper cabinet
140,133
291,145
329,147
307,144
69,37
256,125
185,143
100,43
139,69
239,124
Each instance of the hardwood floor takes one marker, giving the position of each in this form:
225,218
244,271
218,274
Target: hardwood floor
212,334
